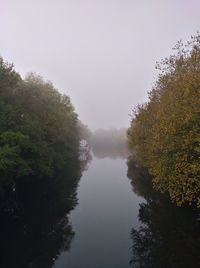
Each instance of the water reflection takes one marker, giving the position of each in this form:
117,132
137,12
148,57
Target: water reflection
85,158
110,151
168,236
34,226
103,218
35,229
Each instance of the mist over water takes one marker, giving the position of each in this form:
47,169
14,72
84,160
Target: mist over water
73,191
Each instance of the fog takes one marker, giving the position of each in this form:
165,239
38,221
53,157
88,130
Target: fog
109,143
101,53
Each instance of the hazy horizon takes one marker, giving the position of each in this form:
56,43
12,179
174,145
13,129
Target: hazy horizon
100,53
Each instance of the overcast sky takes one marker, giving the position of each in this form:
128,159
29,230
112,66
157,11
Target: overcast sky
101,53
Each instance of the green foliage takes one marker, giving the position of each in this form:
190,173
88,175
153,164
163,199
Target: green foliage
84,131
39,169
38,127
165,130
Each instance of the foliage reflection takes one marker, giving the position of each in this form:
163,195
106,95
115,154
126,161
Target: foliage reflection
169,236
34,226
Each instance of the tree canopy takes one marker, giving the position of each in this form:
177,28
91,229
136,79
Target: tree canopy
165,131
38,128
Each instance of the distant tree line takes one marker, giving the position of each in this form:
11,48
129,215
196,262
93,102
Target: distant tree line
39,134
109,142
165,131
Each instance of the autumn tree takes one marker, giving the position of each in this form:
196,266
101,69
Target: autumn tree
165,130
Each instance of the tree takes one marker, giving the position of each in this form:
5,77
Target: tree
165,131
39,134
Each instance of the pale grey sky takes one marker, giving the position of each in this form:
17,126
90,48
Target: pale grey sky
101,53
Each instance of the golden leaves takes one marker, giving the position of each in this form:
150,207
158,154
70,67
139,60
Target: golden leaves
166,130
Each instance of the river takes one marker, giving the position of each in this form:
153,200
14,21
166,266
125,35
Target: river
121,221
109,218
104,217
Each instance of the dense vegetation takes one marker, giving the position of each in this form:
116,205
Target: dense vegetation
84,132
39,169
165,131
38,128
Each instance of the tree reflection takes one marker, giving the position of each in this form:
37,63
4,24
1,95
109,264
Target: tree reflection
108,150
169,236
85,158
34,226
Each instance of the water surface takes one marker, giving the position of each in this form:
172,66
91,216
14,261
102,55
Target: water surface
118,222
103,220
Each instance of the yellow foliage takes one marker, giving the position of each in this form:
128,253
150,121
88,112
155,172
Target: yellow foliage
165,132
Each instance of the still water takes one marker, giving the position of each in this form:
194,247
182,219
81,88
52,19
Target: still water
122,222
109,218
104,217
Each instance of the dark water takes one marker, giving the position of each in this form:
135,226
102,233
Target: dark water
121,221
103,220
110,217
